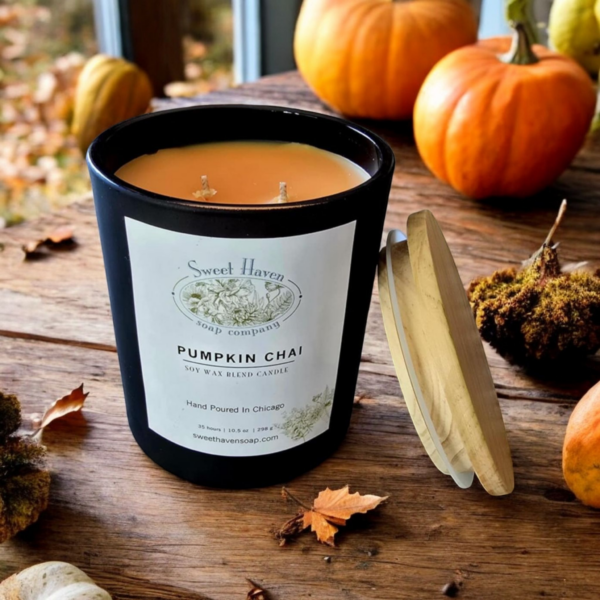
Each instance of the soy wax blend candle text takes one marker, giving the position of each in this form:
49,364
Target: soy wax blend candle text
240,246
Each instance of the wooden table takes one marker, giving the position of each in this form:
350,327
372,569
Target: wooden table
142,533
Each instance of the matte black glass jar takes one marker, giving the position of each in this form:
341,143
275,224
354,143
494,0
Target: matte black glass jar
256,401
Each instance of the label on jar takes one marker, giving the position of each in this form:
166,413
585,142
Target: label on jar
239,338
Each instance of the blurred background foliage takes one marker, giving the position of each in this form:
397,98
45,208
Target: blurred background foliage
43,46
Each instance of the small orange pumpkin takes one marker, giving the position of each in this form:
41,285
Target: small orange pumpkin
581,449
368,58
494,124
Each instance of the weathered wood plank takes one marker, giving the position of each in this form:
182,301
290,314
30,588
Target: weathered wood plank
138,530
62,295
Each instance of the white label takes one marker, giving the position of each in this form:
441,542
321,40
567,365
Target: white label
239,338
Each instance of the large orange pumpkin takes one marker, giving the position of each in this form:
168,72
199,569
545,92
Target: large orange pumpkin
368,58
502,125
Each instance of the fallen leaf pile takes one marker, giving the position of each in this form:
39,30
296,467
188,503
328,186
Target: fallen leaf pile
331,510
59,238
41,167
42,52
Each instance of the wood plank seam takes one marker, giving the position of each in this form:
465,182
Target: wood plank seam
52,340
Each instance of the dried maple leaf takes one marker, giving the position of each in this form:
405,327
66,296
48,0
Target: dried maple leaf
68,404
256,593
59,237
341,504
321,526
331,509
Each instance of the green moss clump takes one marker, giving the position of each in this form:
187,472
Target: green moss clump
24,481
538,313
22,499
10,415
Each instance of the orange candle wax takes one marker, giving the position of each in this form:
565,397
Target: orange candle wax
244,172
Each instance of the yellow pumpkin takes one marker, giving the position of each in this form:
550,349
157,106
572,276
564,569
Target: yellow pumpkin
368,58
574,30
51,581
109,90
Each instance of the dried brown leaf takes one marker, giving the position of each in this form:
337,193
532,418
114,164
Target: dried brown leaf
256,592
30,247
358,400
331,509
572,267
62,236
290,529
66,405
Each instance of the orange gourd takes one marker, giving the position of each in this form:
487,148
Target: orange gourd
581,449
368,58
499,120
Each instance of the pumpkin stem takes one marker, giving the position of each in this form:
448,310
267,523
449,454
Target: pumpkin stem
520,11
557,222
521,52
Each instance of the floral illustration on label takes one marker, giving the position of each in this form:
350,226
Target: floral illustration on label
299,422
237,302
241,296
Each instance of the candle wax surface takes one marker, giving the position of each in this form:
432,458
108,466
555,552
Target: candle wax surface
244,172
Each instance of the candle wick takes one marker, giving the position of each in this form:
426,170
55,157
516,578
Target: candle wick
283,195
206,192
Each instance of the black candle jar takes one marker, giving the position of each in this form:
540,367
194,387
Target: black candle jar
239,328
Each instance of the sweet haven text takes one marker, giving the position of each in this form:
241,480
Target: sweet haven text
246,269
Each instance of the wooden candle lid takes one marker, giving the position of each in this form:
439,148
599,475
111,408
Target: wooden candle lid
439,358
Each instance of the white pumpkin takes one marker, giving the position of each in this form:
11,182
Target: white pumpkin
51,581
